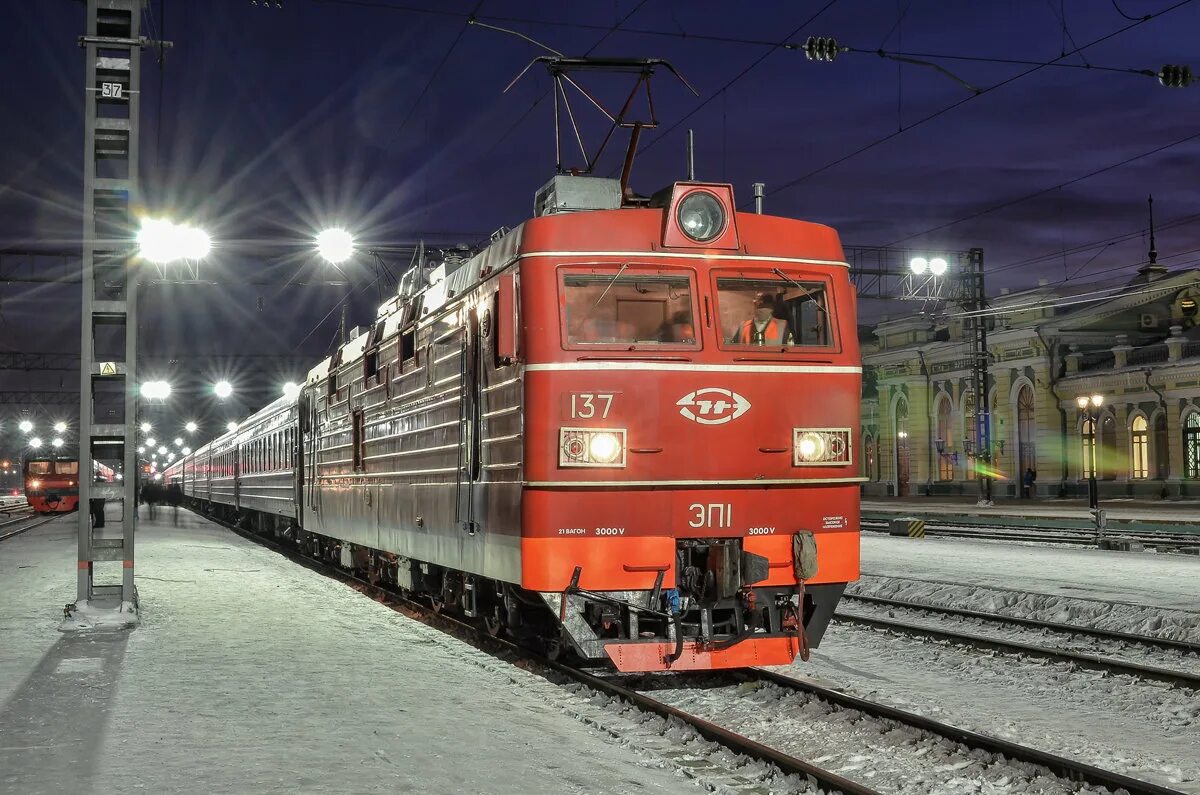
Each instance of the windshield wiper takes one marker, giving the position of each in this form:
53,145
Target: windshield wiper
624,265
799,287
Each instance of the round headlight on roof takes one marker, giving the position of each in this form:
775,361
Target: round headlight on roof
701,216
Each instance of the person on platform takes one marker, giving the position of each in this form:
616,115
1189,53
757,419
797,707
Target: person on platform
764,328
174,499
1027,483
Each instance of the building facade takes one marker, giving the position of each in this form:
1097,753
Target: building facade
1138,349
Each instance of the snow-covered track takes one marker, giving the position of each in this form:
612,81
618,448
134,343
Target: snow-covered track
1073,629
1087,661
1061,766
14,527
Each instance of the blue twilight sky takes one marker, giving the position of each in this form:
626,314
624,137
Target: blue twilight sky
266,123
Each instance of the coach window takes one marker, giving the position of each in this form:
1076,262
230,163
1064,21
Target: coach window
778,311
620,306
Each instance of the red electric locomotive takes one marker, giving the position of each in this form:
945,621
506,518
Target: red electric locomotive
625,429
51,484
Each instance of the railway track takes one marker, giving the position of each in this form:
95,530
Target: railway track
7,529
1061,767
1043,535
1033,623
1092,662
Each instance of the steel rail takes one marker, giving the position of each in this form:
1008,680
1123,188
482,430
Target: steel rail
1073,629
30,526
1061,766
1088,661
710,731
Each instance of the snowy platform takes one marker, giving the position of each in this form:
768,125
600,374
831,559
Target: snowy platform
252,674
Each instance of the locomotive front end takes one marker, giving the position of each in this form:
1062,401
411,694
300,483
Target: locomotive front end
692,470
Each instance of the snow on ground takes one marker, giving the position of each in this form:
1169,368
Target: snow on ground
250,673
878,753
1124,591
1137,653
1146,730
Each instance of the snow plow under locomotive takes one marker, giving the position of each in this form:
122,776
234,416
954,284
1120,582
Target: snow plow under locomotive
625,431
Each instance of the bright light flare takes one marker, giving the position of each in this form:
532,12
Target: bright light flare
335,245
918,265
162,450
191,427
937,266
222,389
60,427
35,443
145,426
26,426
231,426
291,390
186,451
156,390
56,443
162,241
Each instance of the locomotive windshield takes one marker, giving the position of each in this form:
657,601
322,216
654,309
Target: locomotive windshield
627,307
66,467
774,312
39,467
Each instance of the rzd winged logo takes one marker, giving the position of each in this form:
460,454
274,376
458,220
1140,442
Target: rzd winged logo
713,405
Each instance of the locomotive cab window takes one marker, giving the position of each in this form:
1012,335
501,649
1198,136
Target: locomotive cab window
774,312
628,308
66,467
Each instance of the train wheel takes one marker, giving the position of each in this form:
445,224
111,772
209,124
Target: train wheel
494,624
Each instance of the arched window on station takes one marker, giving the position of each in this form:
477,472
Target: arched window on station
1026,431
1139,448
1191,445
945,440
901,441
1087,433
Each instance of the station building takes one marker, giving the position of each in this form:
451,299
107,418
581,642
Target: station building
1138,348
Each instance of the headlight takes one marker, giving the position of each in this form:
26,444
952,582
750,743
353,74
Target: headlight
811,447
35,484
821,447
701,216
588,447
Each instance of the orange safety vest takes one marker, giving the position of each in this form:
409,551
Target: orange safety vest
770,334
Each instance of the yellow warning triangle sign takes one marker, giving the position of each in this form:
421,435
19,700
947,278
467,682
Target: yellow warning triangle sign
108,368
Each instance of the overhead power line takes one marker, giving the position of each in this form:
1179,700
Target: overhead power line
789,184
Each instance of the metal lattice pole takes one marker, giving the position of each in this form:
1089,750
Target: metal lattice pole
108,384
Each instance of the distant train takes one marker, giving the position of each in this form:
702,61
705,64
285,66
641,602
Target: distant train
626,429
52,484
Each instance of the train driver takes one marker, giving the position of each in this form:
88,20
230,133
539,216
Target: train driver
764,328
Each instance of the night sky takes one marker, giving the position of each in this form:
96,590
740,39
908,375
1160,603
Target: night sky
265,124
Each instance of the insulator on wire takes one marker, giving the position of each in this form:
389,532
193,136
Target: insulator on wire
821,48
1175,76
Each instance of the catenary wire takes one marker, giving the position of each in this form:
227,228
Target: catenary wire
863,149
